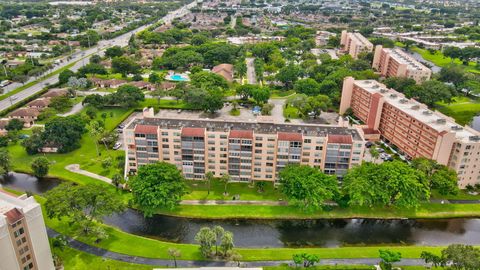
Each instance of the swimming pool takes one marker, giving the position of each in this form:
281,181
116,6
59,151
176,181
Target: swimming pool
178,77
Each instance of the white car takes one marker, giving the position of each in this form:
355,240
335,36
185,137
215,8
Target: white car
117,146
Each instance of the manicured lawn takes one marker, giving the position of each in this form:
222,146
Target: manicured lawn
322,267
426,210
462,109
164,104
290,112
74,260
441,60
199,191
277,94
462,195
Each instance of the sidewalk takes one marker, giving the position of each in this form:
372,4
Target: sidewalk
75,168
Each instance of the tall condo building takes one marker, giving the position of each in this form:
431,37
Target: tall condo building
245,150
397,63
413,128
23,237
355,43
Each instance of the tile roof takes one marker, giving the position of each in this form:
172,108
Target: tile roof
244,134
145,129
342,139
288,136
193,132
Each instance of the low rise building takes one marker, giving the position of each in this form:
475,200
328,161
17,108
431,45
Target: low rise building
224,70
354,44
23,236
27,115
397,63
247,151
414,129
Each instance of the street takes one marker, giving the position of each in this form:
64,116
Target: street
81,58
251,76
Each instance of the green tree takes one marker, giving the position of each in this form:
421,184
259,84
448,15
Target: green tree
219,232
226,180
117,179
227,243
4,161
83,204
374,153
124,65
212,102
95,130
114,51
126,96
209,178
390,183
307,186
459,256
154,78
158,185
431,92
307,86
431,258
174,253
40,166
288,75
14,125
65,75
388,257
64,133
208,80
261,95
206,239
439,176
35,142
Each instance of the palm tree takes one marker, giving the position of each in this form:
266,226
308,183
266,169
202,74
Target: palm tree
209,177
174,253
226,179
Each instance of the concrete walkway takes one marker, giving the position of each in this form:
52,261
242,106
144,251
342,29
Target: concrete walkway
75,168
75,109
228,202
251,75
191,263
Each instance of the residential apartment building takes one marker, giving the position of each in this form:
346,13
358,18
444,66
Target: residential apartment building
413,128
397,63
23,237
355,43
245,151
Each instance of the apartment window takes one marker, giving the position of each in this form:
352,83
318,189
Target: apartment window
258,145
211,136
258,138
307,141
223,136
164,133
164,139
19,232
258,151
271,139
151,136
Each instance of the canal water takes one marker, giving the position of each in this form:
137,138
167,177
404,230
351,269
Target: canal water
285,233
476,123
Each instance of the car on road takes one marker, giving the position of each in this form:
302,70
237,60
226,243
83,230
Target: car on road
120,130
5,83
117,146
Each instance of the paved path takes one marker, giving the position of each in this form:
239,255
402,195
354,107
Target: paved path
228,202
75,109
251,76
190,263
75,168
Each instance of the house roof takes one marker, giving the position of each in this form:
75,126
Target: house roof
342,139
25,112
244,134
13,215
56,92
193,132
224,70
167,85
290,136
39,102
144,129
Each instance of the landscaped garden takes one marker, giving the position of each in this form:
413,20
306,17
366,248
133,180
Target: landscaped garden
462,109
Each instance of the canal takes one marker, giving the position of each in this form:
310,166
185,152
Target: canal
285,233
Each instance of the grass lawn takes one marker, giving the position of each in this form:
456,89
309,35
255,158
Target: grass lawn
462,109
74,260
86,155
426,210
199,191
462,195
278,94
322,267
441,60
290,112
165,104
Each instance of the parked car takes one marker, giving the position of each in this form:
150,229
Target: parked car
117,146
368,144
120,130
380,150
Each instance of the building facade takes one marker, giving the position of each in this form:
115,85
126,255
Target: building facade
397,63
23,237
245,151
355,43
413,128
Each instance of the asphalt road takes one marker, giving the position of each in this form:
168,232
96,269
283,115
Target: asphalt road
81,58
251,76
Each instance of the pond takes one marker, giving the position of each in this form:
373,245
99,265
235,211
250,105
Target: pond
476,123
432,66
284,233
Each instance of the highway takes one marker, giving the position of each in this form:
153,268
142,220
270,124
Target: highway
81,58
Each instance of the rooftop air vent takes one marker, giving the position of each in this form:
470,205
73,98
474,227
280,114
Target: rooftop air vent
441,121
403,100
427,112
376,86
393,96
383,90
415,107
474,138
457,128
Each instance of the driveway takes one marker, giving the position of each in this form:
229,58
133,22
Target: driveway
251,76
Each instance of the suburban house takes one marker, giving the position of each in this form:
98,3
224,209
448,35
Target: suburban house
143,85
27,115
39,103
167,86
113,83
224,70
56,92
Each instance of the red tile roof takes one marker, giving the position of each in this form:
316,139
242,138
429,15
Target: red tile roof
144,129
25,112
244,134
342,139
39,102
13,215
290,136
193,132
